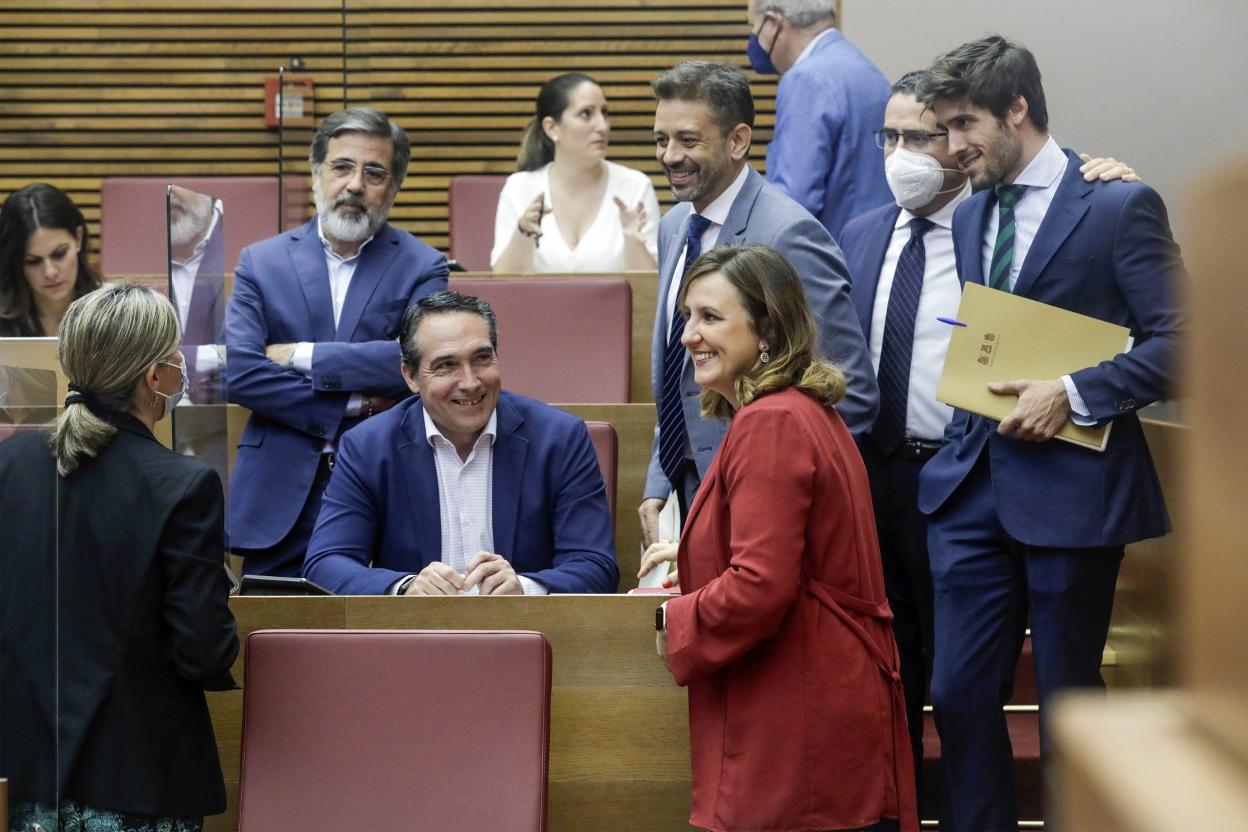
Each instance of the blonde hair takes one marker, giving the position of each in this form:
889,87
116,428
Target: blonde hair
775,301
109,338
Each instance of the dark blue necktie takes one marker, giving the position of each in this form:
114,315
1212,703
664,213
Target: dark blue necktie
1003,247
897,348
673,435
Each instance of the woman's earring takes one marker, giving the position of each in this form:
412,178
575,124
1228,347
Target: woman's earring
764,356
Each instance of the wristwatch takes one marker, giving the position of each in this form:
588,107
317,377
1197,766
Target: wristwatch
660,617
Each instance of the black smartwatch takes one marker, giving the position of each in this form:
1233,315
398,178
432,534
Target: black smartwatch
660,618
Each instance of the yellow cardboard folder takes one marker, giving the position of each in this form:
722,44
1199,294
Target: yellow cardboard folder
1007,337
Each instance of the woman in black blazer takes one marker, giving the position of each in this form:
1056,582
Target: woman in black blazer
112,590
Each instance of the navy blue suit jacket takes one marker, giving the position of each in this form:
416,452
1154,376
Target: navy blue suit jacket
551,519
865,242
281,295
1105,250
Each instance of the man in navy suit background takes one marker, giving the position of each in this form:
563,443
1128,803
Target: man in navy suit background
468,488
1020,524
926,185
310,330
828,100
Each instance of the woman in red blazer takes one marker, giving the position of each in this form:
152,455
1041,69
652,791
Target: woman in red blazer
781,633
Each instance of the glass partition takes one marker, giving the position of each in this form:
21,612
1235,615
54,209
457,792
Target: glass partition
197,288
31,387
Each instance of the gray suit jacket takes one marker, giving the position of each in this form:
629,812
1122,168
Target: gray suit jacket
762,214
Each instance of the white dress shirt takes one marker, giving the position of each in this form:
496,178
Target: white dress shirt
939,296
1042,176
466,502
341,270
717,213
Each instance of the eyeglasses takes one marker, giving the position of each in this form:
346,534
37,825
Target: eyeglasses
887,137
373,174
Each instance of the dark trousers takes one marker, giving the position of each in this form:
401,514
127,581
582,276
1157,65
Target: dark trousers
285,558
986,583
902,530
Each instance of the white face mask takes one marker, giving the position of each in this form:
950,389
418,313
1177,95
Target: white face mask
914,178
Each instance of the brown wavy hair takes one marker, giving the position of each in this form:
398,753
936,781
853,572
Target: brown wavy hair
775,301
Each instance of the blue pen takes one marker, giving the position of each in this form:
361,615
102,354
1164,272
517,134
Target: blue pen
950,321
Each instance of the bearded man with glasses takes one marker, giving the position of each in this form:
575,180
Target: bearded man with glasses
311,333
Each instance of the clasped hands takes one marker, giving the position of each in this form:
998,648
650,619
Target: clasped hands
491,572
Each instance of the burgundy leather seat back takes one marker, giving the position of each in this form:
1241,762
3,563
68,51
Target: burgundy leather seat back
560,340
395,730
472,202
133,237
606,446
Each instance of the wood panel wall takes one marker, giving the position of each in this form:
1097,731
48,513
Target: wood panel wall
95,88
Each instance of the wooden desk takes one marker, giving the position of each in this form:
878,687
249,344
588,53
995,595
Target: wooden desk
619,732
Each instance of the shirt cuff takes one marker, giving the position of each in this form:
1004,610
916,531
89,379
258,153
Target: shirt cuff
394,587
301,357
1079,412
207,359
355,404
532,587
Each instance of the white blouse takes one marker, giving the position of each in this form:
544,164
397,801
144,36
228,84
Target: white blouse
601,249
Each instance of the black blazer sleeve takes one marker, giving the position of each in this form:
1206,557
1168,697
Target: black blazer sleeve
191,553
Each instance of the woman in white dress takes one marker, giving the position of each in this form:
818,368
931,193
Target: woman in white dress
567,209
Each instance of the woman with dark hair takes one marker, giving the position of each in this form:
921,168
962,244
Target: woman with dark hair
567,209
113,593
782,631
43,260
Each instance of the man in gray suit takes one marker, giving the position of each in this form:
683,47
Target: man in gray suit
703,125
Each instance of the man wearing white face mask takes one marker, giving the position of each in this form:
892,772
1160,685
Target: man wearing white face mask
904,278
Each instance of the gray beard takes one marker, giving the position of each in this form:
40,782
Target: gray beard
348,228
192,222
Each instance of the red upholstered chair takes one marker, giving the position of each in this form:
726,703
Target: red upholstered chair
606,446
133,237
435,731
472,202
561,340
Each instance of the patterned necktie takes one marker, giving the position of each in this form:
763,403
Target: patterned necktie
1003,249
898,343
673,435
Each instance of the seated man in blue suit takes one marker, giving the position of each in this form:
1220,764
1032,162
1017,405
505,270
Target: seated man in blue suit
901,260
310,329
1020,524
467,489
703,127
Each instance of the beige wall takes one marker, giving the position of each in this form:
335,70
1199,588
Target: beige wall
1158,84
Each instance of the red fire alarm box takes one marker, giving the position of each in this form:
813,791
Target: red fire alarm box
294,97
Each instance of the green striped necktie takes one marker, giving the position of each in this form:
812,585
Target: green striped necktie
1003,249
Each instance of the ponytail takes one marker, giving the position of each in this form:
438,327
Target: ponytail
536,148
109,339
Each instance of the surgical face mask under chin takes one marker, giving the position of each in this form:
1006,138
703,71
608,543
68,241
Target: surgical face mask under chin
914,178
174,398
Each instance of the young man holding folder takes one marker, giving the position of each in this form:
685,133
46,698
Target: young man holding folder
1019,524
